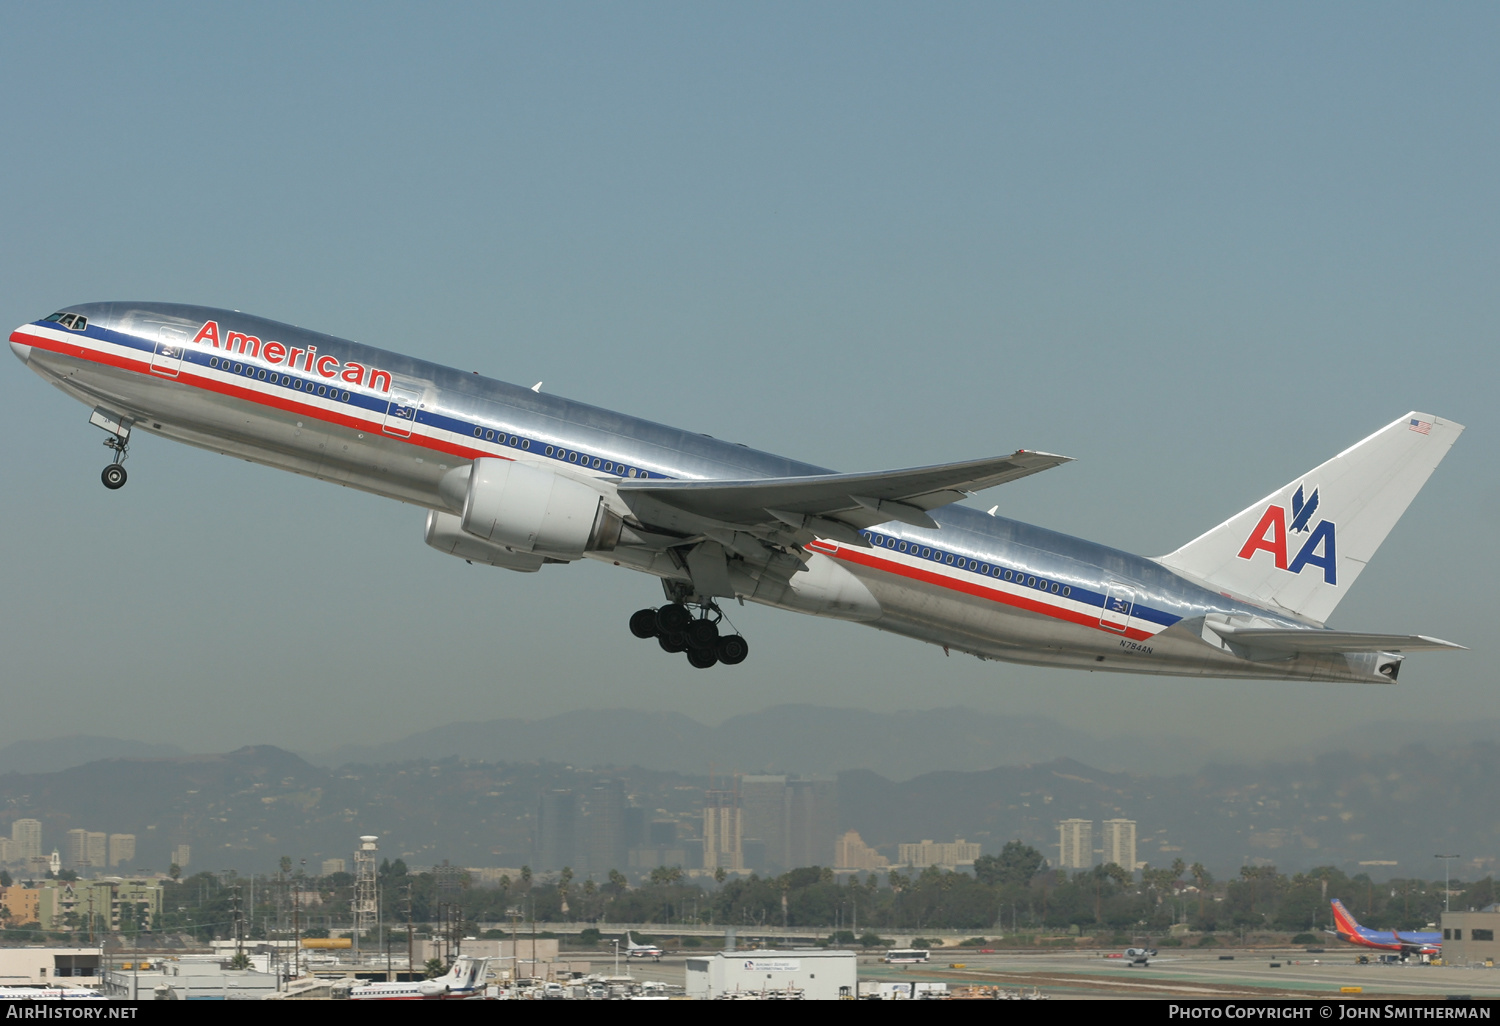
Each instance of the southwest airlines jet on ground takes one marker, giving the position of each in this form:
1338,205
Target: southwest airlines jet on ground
1423,942
517,479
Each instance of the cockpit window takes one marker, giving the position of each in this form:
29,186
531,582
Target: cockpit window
67,320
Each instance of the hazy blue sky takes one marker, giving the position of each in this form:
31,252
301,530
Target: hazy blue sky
1200,247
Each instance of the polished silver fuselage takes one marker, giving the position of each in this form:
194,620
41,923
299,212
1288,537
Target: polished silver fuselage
398,438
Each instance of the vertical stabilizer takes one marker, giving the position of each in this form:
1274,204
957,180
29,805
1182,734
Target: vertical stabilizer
1300,548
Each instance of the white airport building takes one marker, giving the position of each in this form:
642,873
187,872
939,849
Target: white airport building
820,975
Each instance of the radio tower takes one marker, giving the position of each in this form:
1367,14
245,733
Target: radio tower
366,893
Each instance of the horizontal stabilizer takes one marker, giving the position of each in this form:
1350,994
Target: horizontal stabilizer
861,500
1315,642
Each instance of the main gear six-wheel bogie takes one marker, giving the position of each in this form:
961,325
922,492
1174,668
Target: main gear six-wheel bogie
677,629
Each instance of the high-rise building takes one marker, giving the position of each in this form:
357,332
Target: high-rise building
121,849
1075,845
76,849
182,854
635,826
722,824
851,852
796,819
27,834
812,816
606,828
942,855
1119,843
763,816
98,850
331,866
556,830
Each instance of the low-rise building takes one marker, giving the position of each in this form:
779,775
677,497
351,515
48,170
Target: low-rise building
187,978
1469,937
21,904
819,975
21,967
108,905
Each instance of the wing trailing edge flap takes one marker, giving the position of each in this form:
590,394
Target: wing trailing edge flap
1318,642
834,505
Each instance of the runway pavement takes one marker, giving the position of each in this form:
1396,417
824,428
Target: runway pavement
1201,975
1205,975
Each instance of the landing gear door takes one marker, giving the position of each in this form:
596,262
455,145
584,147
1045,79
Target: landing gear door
167,359
1119,603
401,412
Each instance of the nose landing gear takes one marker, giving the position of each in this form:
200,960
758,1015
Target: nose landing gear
677,630
114,475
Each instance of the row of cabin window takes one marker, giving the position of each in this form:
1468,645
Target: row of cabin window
608,466
1041,584
250,371
75,321
557,453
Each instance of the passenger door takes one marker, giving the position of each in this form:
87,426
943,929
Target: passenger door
1119,603
401,411
167,358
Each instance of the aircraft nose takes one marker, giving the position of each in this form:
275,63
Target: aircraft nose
22,350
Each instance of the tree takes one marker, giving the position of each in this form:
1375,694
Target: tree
174,871
720,875
1202,878
434,968
5,880
1016,864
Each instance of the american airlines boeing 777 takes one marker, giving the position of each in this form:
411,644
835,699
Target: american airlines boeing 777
515,478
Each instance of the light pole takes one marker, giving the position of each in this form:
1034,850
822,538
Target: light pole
1447,859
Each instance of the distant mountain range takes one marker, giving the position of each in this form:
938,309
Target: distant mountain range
60,753
806,739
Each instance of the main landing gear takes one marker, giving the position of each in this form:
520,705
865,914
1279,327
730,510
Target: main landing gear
676,630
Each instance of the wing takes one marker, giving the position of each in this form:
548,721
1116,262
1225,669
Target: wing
1275,639
836,505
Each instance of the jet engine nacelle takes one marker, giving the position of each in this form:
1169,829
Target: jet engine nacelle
531,509
446,534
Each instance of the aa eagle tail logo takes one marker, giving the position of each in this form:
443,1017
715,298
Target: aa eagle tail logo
1319,549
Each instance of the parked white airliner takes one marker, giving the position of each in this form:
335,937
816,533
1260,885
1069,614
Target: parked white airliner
518,479
465,980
